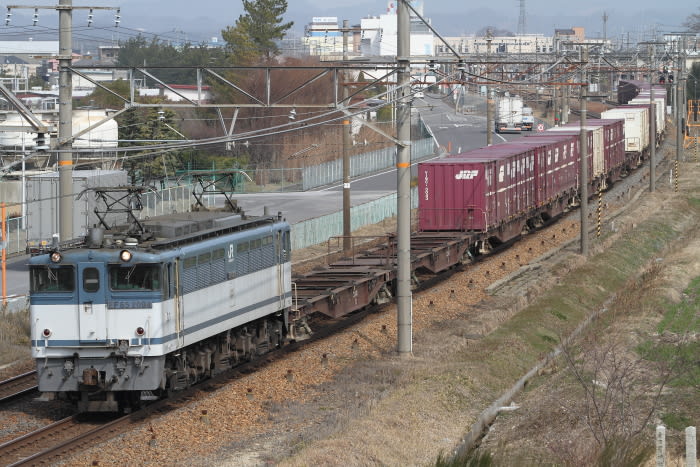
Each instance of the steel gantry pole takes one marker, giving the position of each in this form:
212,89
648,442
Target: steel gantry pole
65,119
403,173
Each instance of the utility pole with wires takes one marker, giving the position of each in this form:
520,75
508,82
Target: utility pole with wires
490,111
652,123
347,142
65,99
583,163
404,304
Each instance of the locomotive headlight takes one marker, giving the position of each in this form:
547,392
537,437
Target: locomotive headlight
56,257
125,255
140,331
46,333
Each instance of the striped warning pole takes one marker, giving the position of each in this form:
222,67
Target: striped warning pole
600,210
675,172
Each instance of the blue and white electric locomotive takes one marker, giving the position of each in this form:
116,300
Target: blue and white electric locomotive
120,320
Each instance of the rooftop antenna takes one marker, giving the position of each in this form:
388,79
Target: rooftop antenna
521,19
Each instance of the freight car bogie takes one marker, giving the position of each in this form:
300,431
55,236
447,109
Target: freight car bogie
223,351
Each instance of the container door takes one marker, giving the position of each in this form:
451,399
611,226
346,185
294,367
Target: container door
92,302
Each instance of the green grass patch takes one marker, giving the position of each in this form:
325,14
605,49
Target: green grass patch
558,314
676,421
681,356
676,345
683,317
527,337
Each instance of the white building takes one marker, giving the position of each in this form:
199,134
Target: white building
103,136
323,37
526,44
379,33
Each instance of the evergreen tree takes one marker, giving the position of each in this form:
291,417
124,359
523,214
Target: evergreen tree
105,99
139,52
255,32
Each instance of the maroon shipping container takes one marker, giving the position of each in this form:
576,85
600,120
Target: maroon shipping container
557,165
613,144
575,140
477,190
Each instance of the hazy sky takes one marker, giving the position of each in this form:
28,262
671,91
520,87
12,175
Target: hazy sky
203,19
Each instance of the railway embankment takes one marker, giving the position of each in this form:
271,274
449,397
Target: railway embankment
637,269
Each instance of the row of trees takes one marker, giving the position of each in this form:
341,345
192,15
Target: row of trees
250,41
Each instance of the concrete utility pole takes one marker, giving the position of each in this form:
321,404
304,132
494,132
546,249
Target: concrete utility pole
652,123
347,142
583,164
565,106
65,119
680,78
403,174
65,111
489,98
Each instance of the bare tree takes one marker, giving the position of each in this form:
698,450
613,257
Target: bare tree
622,392
692,23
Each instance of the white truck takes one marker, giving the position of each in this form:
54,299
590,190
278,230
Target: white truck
528,119
509,114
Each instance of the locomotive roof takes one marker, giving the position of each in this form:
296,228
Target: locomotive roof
167,231
189,227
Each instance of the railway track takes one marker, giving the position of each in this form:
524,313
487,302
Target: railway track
48,443
79,432
20,385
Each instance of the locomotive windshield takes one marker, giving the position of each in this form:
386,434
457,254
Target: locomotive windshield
135,277
52,279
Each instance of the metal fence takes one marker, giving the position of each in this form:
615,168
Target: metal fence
320,229
169,200
362,164
15,235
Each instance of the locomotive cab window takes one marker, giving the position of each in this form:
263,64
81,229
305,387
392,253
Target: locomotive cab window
52,279
142,277
91,280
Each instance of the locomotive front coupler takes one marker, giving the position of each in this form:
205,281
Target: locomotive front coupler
120,365
123,347
68,368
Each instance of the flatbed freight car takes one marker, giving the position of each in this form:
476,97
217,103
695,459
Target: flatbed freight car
448,236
